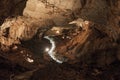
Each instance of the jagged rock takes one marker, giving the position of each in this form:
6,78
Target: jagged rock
24,28
8,41
88,43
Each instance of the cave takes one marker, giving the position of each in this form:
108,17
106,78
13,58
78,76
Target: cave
60,40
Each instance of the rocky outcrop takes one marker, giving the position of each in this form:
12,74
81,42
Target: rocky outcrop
22,28
104,29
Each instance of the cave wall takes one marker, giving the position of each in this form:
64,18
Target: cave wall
97,46
10,8
102,43
58,10
103,14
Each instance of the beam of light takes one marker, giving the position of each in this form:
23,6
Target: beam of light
51,51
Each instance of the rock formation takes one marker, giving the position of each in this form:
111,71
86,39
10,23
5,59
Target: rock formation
86,35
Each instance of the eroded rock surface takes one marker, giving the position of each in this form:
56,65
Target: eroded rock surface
60,11
91,46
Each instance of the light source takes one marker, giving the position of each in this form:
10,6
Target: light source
30,60
47,49
57,32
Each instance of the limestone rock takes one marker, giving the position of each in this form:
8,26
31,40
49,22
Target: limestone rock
58,10
24,28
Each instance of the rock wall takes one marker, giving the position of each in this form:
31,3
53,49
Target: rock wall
58,10
102,13
9,8
93,53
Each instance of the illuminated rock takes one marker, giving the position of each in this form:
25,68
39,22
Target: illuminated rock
58,10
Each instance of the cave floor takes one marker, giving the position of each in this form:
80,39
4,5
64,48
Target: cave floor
50,70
